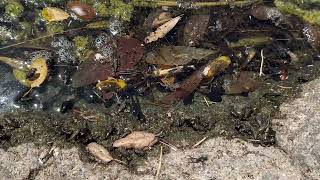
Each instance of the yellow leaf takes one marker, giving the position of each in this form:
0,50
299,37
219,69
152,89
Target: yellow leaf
119,83
54,14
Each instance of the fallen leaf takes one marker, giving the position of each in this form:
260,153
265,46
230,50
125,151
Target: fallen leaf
129,52
161,19
190,84
178,55
161,31
91,71
195,29
245,81
99,152
137,140
54,14
41,72
118,84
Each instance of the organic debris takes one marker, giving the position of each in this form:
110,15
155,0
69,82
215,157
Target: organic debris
162,30
100,153
139,140
82,10
178,55
54,14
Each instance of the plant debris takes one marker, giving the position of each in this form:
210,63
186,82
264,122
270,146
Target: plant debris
100,153
137,140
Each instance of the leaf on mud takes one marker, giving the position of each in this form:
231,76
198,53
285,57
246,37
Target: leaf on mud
157,18
99,152
54,14
161,31
39,75
129,52
137,140
195,29
92,71
189,85
177,55
246,81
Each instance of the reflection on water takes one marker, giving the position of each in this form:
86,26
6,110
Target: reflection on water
10,89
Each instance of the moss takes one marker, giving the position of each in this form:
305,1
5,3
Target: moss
101,9
14,9
55,27
311,16
25,30
120,10
81,45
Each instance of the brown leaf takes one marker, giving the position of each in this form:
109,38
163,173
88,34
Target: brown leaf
246,81
82,10
195,29
191,84
92,71
177,55
137,140
129,52
99,152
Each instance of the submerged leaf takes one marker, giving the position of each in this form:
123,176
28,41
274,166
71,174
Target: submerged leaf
117,83
161,31
99,152
39,75
195,29
189,85
54,14
92,71
129,52
246,81
177,55
137,140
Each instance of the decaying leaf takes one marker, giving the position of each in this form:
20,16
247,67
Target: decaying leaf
118,84
91,71
100,153
40,72
189,85
129,52
252,41
137,140
177,55
54,14
195,29
161,19
161,31
245,81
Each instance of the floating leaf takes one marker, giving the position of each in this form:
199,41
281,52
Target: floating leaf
99,152
40,72
177,55
129,52
189,85
54,14
161,31
137,140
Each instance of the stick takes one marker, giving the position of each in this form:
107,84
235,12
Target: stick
198,143
169,145
261,65
159,165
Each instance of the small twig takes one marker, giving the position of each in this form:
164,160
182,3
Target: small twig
284,87
160,164
119,161
198,143
206,101
169,145
261,65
